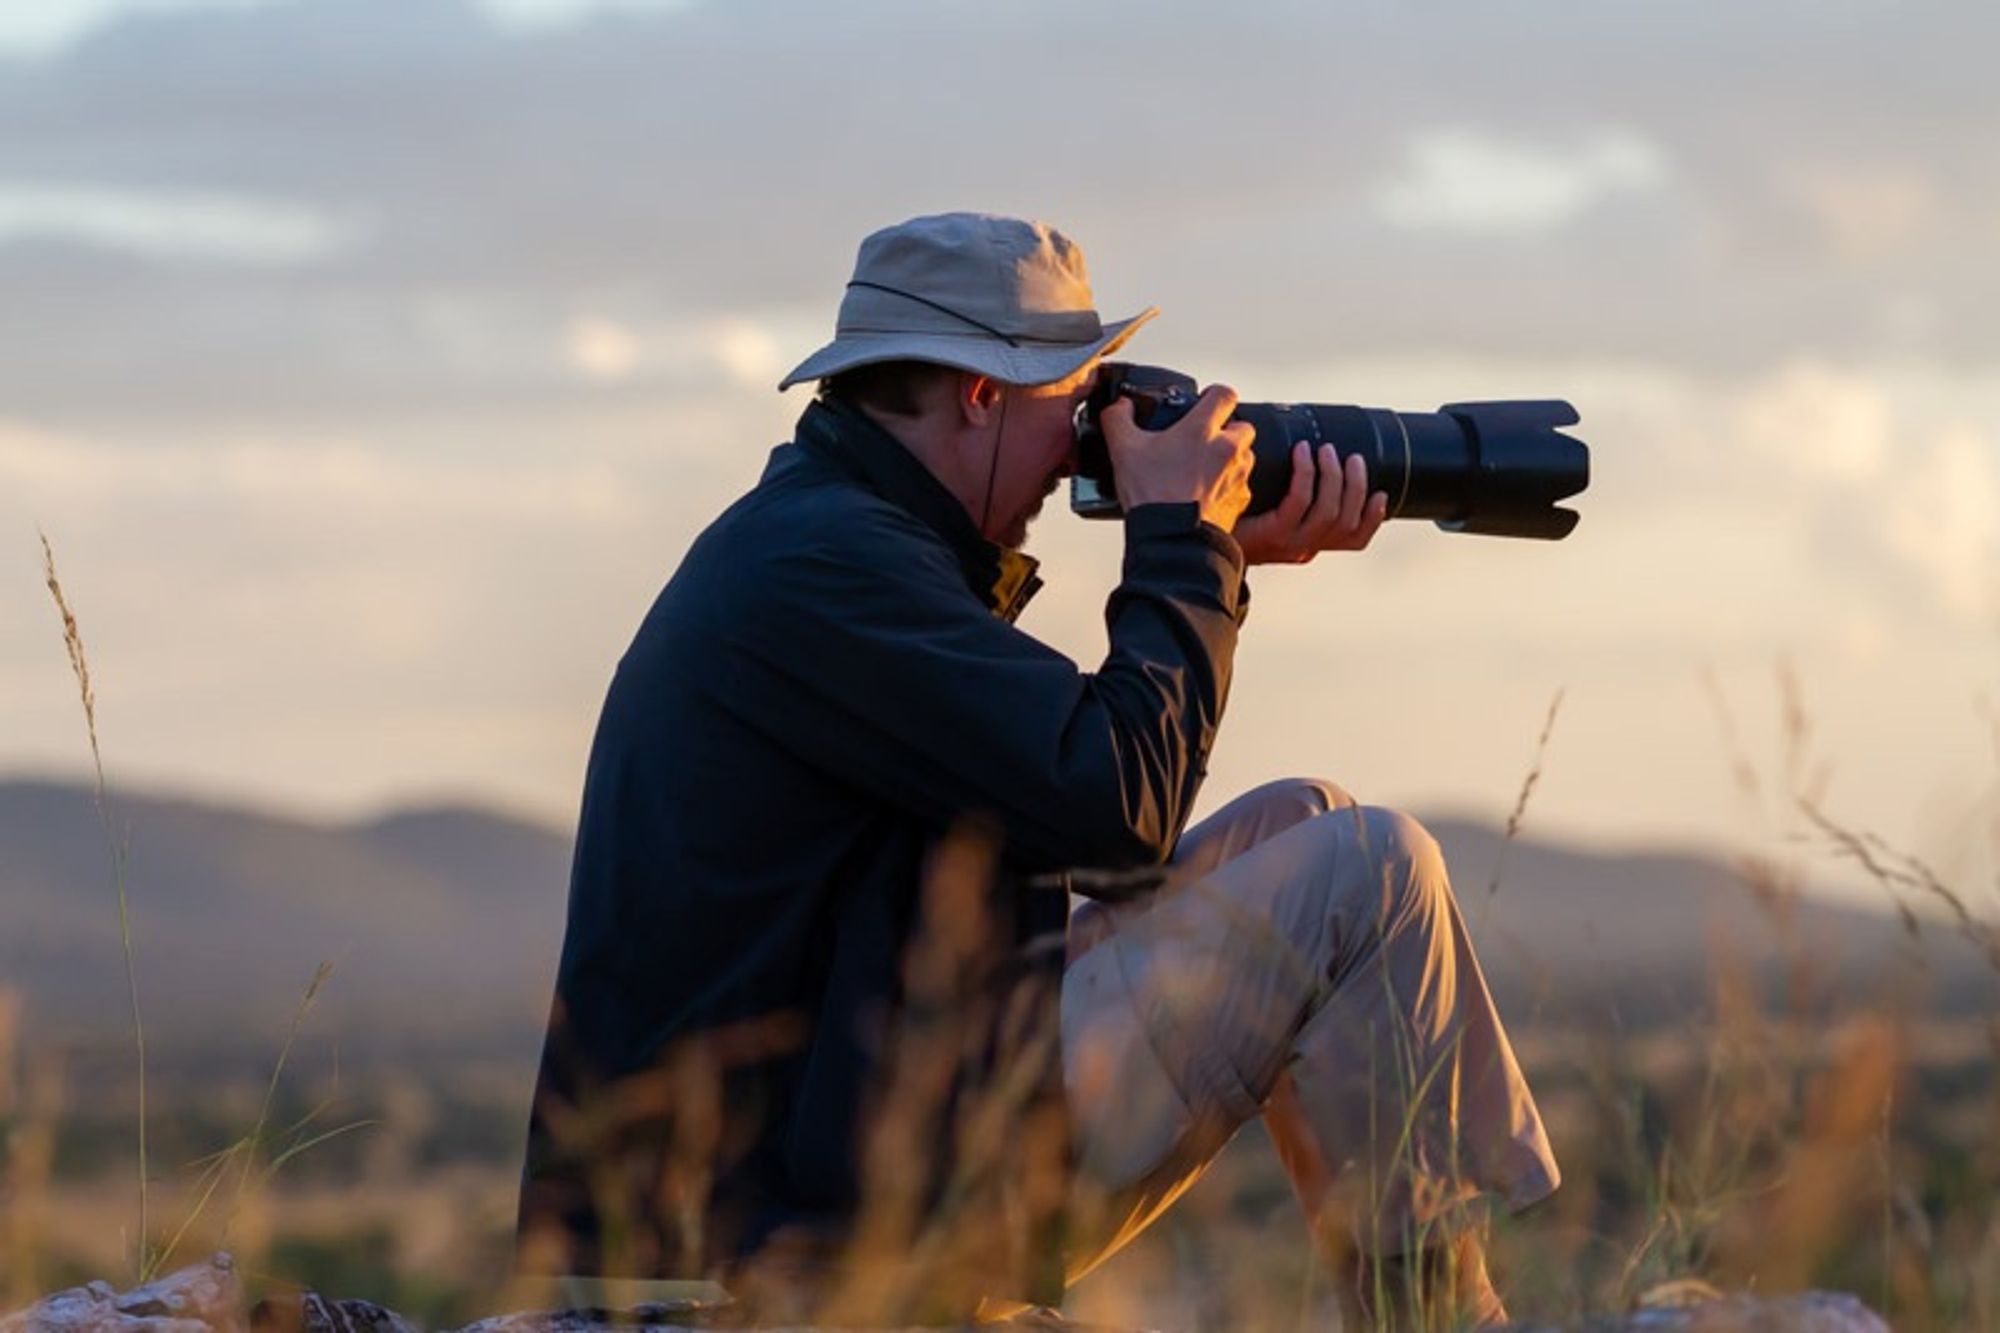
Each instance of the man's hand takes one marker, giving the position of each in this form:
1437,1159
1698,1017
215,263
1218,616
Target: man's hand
1203,457
1343,516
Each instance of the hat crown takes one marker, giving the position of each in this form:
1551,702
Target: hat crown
997,296
971,275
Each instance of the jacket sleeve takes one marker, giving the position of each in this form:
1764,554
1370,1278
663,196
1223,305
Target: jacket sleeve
871,660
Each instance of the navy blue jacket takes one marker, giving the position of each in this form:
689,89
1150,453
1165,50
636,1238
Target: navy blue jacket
829,683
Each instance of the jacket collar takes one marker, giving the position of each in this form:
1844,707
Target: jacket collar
1005,580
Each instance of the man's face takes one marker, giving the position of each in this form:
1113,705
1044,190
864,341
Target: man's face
1037,449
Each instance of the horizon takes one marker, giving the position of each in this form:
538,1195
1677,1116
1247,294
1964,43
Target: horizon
1822,886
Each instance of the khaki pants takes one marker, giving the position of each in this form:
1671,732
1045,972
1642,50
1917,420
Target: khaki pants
1306,962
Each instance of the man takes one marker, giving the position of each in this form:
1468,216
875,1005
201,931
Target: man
823,1027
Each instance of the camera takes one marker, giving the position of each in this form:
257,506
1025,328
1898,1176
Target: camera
1496,468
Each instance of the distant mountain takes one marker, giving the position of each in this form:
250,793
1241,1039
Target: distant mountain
1643,936
444,925
440,922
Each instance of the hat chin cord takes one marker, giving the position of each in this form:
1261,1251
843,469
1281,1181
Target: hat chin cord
993,467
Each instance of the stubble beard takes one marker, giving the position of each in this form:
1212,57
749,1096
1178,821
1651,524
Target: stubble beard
1016,536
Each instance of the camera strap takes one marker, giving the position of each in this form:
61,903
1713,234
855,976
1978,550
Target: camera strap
993,468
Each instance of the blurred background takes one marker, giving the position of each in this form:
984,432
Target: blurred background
369,364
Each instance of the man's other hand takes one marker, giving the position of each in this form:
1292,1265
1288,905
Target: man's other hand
1203,457
1342,516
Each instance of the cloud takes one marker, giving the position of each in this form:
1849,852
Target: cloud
1869,211
1819,421
1892,475
739,350
46,26
171,224
1467,180
680,163
1946,521
333,617
306,479
601,348
537,15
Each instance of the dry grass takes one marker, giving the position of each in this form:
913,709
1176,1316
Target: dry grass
1688,1153
1521,798
28,1161
79,662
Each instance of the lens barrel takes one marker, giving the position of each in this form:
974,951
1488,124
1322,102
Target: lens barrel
1496,468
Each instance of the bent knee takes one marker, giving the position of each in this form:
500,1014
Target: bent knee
1304,797
1409,866
1398,838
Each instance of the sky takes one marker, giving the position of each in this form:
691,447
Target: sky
369,365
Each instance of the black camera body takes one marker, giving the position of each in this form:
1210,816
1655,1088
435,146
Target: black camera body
1496,468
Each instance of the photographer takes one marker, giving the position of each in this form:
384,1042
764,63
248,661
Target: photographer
819,951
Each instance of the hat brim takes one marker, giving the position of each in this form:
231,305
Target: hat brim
1025,363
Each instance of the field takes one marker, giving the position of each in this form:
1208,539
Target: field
1744,1150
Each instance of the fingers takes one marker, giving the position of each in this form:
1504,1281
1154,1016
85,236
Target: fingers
1117,421
1267,538
1354,493
1326,507
1213,408
1234,491
1209,420
1326,524
1344,516
1203,457
1361,513
1372,518
1299,495
1241,436
1205,420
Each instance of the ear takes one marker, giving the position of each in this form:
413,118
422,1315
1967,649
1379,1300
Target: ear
978,396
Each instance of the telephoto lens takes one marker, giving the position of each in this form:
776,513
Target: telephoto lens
1496,468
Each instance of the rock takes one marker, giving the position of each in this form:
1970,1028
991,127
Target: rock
1814,1312
206,1298
310,1312
656,1316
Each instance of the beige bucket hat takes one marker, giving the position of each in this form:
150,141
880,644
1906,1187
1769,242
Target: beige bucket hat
998,296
